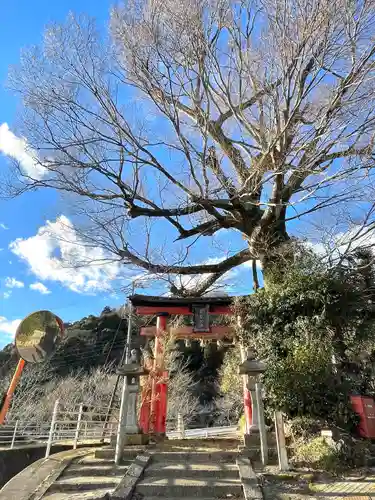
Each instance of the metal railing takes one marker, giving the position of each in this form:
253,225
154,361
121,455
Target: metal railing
20,433
178,428
73,424
81,423
204,432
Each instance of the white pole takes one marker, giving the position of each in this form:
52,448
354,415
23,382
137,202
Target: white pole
80,412
280,441
261,424
52,428
14,435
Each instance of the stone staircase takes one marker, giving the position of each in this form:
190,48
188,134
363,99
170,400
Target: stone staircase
88,478
204,474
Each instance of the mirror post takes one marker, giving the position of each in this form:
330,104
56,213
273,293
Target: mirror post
36,339
12,388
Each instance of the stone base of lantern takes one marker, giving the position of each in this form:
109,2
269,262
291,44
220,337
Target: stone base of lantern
253,440
133,439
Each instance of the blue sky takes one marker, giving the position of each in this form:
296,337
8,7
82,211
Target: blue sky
28,281
22,24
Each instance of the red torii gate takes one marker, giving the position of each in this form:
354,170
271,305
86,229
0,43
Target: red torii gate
153,412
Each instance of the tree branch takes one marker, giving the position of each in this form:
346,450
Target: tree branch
209,228
221,267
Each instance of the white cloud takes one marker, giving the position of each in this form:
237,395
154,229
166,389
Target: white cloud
17,148
332,249
39,287
13,283
55,252
2,225
192,281
9,327
7,294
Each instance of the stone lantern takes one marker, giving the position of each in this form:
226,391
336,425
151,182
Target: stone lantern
252,369
132,371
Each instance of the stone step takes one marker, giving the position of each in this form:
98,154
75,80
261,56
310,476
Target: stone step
105,462
231,497
84,483
198,457
182,466
179,487
131,440
108,462
79,470
192,470
109,453
99,494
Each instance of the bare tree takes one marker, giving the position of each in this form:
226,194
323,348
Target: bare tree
204,115
34,398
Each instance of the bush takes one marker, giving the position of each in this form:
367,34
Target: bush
306,317
318,453
302,384
329,455
303,427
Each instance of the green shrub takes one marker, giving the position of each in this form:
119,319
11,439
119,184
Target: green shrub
303,427
329,455
301,384
318,453
306,317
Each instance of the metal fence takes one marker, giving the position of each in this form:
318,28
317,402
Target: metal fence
81,423
203,433
73,424
22,433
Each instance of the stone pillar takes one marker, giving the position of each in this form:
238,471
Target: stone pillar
131,426
261,424
252,369
251,385
128,430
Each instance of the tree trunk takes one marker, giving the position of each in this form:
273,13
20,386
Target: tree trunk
270,244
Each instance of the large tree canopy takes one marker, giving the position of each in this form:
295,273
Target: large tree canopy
204,115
